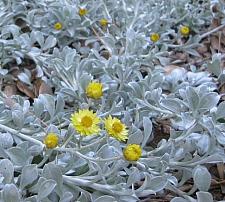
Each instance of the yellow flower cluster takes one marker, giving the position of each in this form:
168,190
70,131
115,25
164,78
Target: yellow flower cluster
94,90
82,12
132,152
184,31
51,141
87,123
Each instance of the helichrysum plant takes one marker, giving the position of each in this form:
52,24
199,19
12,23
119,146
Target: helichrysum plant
84,96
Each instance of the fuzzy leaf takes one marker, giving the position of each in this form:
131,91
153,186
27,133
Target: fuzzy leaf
6,170
192,98
179,199
49,103
67,197
202,178
29,174
204,196
18,156
50,42
172,105
157,183
215,67
53,172
105,199
147,124
209,101
11,193
46,188
220,113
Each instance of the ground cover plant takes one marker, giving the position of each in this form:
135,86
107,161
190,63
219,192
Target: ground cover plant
105,100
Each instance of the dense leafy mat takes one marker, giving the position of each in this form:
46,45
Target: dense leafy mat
112,100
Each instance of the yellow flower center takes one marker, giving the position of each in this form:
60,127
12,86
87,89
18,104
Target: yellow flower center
184,30
154,37
103,22
117,127
86,121
132,152
94,90
58,26
82,11
51,141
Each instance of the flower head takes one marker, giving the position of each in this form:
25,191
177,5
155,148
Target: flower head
184,30
103,22
82,11
132,152
58,26
94,90
116,128
154,37
51,140
85,122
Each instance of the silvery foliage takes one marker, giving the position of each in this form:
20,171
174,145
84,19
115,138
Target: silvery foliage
89,169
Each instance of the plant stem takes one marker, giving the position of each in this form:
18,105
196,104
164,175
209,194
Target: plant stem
74,151
87,183
212,31
22,136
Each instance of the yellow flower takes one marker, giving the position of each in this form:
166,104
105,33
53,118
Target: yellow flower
132,152
185,30
94,90
85,122
58,26
116,128
103,22
82,11
154,37
51,140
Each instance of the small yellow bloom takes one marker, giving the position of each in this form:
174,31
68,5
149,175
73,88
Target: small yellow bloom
94,90
82,11
132,152
154,37
51,140
185,30
58,26
116,128
85,122
103,22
